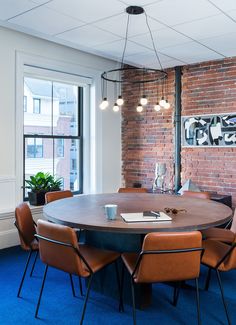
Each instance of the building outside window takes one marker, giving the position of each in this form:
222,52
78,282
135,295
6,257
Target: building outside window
34,148
52,127
25,103
36,105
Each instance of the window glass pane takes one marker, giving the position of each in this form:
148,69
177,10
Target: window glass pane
38,117
65,109
36,105
34,148
25,103
67,166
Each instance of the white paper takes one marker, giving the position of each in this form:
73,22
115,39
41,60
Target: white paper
138,217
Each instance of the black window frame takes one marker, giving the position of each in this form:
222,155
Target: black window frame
79,138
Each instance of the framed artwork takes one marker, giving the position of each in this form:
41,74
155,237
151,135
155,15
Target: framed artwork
209,130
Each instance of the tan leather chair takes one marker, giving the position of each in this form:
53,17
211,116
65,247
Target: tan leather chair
57,195
26,229
197,195
221,234
132,190
220,257
59,248
165,257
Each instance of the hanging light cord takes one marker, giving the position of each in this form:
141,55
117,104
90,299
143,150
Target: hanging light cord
153,44
126,39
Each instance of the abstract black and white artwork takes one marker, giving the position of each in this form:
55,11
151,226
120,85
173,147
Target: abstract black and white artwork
209,130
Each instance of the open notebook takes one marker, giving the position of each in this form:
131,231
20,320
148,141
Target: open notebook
146,216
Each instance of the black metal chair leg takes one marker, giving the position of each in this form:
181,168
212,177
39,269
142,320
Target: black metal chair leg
198,302
35,258
133,301
121,308
80,286
24,273
176,293
222,295
121,288
208,279
72,285
86,299
41,291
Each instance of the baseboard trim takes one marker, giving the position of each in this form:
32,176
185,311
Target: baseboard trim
9,238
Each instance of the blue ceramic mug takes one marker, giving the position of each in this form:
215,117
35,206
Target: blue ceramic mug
111,211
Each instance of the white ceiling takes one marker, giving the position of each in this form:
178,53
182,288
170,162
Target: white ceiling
184,31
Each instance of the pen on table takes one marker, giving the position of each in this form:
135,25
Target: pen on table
157,214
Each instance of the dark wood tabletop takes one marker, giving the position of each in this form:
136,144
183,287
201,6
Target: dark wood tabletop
87,212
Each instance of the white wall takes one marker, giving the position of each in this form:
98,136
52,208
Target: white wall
102,140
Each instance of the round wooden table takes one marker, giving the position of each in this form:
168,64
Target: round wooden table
87,212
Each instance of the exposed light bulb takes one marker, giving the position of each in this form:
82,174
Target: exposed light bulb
120,101
143,100
162,102
157,107
104,104
139,108
167,105
116,108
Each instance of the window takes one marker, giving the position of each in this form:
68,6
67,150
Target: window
53,130
60,147
36,105
25,103
34,148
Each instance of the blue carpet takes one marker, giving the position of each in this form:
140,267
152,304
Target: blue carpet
59,307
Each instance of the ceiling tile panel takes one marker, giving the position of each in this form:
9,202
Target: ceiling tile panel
222,43
11,8
46,21
225,5
209,27
172,12
88,36
89,10
191,53
138,2
137,25
162,38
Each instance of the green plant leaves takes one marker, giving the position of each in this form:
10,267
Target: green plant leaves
43,182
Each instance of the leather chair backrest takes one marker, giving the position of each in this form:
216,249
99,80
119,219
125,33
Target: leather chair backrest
132,190
170,266
25,225
57,195
233,226
61,257
197,195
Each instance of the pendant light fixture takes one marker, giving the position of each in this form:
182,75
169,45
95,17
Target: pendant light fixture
134,75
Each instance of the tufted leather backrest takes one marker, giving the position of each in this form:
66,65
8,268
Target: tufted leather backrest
25,225
132,190
170,266
62,257
57,195
198,195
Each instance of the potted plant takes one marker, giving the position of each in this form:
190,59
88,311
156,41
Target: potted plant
39,184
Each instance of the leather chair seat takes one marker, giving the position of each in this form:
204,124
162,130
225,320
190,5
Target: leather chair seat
214,252
223,235
103,257
130,260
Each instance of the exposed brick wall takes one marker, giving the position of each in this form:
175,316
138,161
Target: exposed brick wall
210,88
147,138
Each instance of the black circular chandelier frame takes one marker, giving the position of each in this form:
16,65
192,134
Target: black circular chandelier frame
155,76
